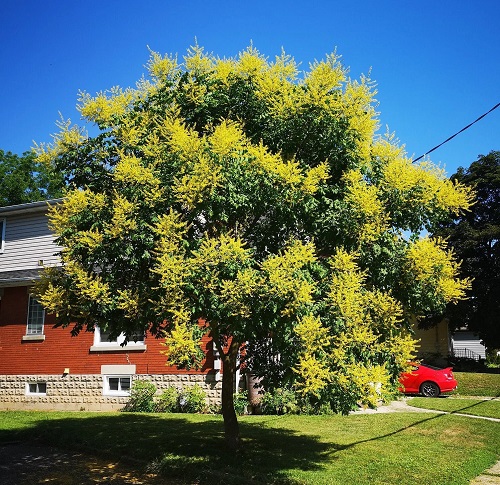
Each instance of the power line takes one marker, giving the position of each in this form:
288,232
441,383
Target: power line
457,133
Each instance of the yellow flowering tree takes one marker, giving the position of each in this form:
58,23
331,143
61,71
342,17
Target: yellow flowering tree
258,199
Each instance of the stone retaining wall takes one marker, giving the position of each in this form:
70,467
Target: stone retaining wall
85,392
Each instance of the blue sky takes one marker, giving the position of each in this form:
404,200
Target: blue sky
436,63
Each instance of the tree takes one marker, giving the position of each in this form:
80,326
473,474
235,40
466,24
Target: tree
255,201
475,236
24,179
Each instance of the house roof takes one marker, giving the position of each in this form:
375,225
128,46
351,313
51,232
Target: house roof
28,207
17,277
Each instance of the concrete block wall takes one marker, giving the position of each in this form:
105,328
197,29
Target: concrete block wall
85,392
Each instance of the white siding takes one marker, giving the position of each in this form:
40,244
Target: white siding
467,340
28,240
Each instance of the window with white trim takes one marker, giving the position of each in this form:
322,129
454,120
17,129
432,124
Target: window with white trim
117,385
3,222
36,388
36,317
103,342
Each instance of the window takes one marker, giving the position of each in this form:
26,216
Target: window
2,234
103,342
36,388
117,385
36,317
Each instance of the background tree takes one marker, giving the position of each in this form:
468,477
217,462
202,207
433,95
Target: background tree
257,200
474,237
24,179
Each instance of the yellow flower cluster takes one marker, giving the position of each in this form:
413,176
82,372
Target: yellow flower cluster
182,347
413,185
106,106
75,202
371,322
237,293
171,263
434,266
123,219
368,209
370,380
222,249
162,68
284,278
313,371
68,137
128,301
323,79
90,286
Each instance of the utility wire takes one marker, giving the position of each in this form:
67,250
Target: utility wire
457,133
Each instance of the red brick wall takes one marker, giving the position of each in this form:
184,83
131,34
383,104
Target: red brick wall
60,350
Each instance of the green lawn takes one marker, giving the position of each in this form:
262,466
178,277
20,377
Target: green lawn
475,407
477,384
409,448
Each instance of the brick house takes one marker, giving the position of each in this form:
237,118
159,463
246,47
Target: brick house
42,367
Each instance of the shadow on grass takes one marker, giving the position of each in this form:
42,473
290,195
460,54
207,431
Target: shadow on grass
190,449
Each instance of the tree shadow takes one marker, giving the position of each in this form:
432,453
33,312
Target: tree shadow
182,449
187,450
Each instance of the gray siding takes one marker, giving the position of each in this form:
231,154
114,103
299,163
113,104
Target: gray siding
28,240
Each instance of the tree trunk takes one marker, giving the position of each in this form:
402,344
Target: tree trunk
231,427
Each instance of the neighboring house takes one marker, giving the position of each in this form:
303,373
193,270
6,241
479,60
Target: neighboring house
434,343
438,344
42,367
467,345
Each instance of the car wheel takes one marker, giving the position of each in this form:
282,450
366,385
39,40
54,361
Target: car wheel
429,389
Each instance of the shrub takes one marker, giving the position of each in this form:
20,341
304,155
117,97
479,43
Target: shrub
279,401
141,397
241,402
168,401
193,400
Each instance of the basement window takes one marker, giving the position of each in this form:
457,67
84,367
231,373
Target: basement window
36,389
117,385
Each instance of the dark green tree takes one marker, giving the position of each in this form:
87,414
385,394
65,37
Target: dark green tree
24,179
475,238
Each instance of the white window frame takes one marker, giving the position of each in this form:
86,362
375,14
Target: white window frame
106,391
36,392
3,223
115,345
32,301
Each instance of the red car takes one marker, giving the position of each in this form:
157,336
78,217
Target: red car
428,380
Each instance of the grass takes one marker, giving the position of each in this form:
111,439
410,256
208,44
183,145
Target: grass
476,407
409,448
477,384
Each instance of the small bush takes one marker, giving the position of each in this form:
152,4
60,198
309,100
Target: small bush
241,402
168,401
193,400
280,401
141,397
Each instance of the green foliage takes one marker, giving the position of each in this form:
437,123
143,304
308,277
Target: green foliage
193,399
24,179
167,401
141,397
475,239
279,401
241,402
